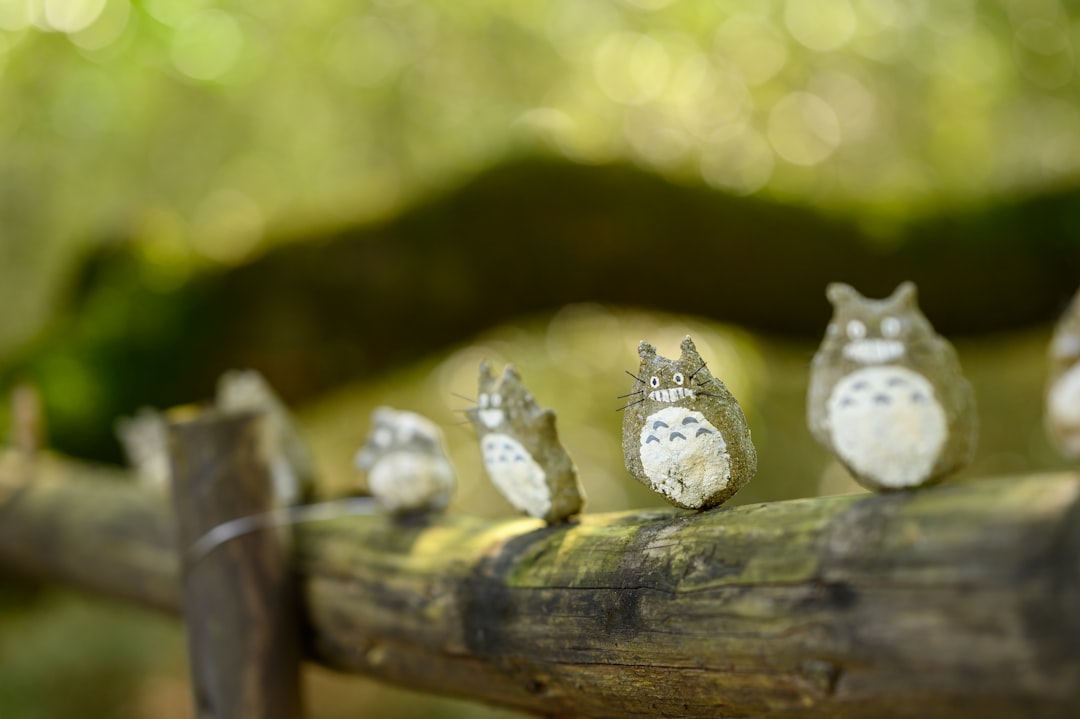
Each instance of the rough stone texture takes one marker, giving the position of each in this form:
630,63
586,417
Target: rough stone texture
1063,388
684,434
406,463
521,449
887,395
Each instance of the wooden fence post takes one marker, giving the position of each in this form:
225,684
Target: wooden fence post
239,602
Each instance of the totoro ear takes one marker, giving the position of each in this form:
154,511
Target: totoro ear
689,351
545,422
839,293
646,351
510,374
383,415
487,377
906,295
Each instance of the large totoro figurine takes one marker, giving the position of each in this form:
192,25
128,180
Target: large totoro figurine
887,394
684,434
406,463
1062,417
521,449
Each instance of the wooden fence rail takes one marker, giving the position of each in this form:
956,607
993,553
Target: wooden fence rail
958,601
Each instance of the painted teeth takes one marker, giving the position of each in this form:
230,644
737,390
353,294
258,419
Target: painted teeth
874,351
671,395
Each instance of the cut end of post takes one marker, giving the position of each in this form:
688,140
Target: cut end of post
27,420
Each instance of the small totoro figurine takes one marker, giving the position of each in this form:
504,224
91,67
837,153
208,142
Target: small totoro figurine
684,434
406,463
521,449
292,468
1062,418
145,440
887,395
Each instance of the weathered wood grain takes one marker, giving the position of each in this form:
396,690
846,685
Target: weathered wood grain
956,601
239,604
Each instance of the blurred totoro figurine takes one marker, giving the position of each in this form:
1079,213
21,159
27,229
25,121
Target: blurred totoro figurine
145,440
1062,417
684,434
887,394
521,449
292,469
406,464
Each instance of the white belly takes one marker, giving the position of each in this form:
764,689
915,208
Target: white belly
409,481
517,475
887,425
1063,402
684,455
1063,411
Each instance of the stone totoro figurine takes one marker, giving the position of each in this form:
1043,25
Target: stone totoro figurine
406,464
1062,418
886,393
144,438
292,469
521,449
684,435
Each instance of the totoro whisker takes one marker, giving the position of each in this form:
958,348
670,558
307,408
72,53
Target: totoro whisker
461,396
634,376
631,404
693,374
630,394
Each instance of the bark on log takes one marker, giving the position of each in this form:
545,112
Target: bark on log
955,601
238,600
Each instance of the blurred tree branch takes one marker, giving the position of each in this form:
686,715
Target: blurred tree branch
955,601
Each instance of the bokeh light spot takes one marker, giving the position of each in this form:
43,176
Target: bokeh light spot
803,128
72,15
753,46
723,111
632,68
741,164
174,12
854,104
820,24
106,28
207,45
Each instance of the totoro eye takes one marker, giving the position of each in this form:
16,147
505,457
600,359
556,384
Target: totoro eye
856,330
496,400
654,382
483,401
678,378
890,327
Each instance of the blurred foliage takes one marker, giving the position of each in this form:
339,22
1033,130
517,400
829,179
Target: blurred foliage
188,138
194,126
523,238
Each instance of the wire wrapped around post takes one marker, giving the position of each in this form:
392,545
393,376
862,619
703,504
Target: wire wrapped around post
238,600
